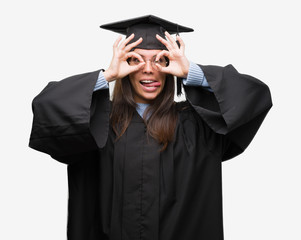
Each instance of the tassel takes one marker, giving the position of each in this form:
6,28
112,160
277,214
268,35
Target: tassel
179,86
179,80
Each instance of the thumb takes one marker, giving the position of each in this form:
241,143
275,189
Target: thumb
138,67
162,69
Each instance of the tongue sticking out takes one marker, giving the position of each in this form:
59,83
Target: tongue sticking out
152,84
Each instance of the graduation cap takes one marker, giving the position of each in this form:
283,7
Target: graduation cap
147,27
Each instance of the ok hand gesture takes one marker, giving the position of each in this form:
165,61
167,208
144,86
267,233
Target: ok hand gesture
178,63
119,66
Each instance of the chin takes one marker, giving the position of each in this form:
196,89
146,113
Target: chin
146,98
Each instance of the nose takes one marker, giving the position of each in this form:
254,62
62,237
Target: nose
148,67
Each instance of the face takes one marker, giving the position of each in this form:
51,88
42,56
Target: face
148,82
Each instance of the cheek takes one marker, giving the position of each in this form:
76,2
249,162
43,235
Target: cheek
132,79
163,80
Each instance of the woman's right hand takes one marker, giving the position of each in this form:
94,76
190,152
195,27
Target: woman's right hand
119,67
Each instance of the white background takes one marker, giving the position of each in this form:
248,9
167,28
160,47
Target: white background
42,41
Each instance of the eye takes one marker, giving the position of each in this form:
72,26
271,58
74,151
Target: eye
135,60
162,61
166,60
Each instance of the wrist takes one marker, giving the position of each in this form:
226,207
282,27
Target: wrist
108,76
186,69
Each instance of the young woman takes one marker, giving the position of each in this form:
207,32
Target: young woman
143,166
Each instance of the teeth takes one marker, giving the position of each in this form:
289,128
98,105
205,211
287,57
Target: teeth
147,81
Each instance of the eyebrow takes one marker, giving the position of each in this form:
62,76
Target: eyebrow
144,56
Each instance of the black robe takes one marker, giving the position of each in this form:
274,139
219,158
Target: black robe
128,189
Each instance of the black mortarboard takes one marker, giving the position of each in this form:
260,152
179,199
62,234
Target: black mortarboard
147,27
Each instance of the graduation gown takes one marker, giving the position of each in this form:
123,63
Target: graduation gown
128,189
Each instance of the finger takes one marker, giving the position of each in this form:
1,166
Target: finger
127,40
159,67
137,68
164,42
136,55
116,43
163,53
134,44
171,40
162,69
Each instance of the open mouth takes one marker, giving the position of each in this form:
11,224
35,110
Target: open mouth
150,84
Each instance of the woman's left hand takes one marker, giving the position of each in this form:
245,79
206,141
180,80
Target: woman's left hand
178,63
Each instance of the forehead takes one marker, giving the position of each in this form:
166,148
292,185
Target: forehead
147,52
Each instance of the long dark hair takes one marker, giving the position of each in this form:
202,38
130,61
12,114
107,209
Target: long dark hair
163,115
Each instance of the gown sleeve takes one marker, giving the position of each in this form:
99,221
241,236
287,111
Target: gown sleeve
234,109
69,118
